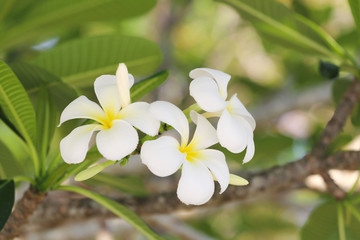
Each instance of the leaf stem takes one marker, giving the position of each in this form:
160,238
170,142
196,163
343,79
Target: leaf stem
341,224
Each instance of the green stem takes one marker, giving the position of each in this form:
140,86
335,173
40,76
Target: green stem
341,224
74,170
53,177
54,162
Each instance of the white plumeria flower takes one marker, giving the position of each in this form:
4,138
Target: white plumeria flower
115,117
165,155
236,125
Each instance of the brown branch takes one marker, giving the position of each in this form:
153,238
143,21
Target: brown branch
273,180
332,130
24,208
338,120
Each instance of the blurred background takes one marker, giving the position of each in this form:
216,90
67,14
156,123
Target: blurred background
283,89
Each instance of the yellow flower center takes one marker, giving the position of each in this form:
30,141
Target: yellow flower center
108,121
191,155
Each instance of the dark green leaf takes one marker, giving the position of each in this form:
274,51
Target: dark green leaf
117,209
33,77
80,62
328,70
7,196
45,18
143,87
16,103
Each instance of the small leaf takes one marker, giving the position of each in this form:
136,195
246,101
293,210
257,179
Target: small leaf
92,171
143,87
117,209
7,193
328,70
237,180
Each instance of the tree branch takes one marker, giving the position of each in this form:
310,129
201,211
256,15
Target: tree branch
19,217
338,120
273,180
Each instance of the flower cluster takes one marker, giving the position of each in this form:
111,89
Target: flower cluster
116,137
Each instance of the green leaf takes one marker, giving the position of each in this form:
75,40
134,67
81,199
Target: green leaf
323,224
143,87
7,193
33,78
355,10
133,185
279,23
45,18
10,166
92,171
80,62
16,103
46,122
117,209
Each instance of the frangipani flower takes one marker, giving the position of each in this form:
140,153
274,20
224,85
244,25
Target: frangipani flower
236,125
115,117
165,155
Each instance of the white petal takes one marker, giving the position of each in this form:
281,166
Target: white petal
205,134
131,80
73,147
162,156
206,93
82,107
170,114
250,150
123,84
215,161
118,141
221,78
237,108
196,185
107,94
233,133
138,115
